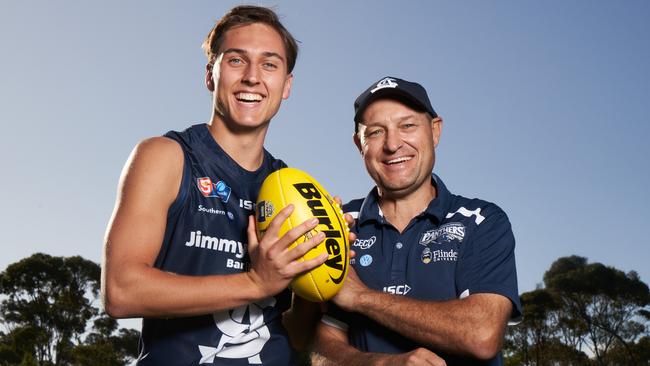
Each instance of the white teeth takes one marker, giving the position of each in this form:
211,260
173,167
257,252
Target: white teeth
248,97
398,160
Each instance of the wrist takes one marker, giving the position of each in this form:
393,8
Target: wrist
255,286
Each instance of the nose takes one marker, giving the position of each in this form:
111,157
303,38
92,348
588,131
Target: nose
251,74
393,141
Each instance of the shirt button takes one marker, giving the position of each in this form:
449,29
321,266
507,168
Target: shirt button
398,245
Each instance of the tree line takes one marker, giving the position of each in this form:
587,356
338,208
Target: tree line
584,314
50,315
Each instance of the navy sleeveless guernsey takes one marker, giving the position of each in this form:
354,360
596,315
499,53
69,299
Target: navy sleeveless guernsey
206,235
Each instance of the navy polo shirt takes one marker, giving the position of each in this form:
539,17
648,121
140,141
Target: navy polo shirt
456,247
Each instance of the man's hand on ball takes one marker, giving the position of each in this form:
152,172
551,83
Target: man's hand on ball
351,291
273,263
348,220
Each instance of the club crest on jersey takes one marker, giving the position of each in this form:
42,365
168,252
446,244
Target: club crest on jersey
209,189
444,234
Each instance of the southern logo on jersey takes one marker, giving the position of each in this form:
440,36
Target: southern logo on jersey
264,209
385,83
209,189
444,234
364,243
244,333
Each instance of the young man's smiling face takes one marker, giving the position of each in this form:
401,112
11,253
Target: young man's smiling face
250,76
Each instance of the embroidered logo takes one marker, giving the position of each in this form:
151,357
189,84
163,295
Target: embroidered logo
444,234
426,256
365,243
385,83
366,260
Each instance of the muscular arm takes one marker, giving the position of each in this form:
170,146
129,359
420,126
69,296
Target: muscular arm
332,348
132,287
473,326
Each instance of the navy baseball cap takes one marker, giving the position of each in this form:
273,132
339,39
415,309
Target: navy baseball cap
389,87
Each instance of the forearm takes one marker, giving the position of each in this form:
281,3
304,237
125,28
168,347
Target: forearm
143,291
300,321
333,349
472,327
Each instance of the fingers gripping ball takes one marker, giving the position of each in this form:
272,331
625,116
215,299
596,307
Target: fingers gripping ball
292,186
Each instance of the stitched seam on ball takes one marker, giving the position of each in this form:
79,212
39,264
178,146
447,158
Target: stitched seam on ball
321,297
284,200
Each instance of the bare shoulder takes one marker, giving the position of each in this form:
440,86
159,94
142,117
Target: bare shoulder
154,170
161,151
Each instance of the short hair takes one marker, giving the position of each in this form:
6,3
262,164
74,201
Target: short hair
245,15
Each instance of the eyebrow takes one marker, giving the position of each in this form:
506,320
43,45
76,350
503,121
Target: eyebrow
244,52
398,120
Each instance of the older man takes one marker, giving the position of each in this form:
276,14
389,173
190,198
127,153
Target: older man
434,279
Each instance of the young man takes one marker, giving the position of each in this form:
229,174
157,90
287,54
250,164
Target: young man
181,249
434,279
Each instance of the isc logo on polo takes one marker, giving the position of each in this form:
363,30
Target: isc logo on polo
292,186
398,289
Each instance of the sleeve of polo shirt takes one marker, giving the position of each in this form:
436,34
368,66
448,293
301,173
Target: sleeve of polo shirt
336,317
488,263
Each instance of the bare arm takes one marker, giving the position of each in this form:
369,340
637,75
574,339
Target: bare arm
473,326
332,348
132,287
300,322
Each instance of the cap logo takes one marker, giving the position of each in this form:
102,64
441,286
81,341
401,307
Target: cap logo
385,83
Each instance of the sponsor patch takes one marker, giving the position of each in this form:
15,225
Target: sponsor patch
364,243
444,234
209,189
365,260
210,210
444,255
264,209
397,289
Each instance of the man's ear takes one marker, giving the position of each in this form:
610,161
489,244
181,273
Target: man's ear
209,82
436,130
357,142
286,91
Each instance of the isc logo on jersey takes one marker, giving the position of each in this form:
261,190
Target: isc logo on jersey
209,189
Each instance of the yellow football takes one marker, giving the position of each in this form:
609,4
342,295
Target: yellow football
292,186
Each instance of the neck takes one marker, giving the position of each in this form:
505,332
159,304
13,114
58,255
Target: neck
400,210
244,145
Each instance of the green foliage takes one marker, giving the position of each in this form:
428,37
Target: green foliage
585,308
48,303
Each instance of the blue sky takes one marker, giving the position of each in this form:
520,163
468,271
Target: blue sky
545,108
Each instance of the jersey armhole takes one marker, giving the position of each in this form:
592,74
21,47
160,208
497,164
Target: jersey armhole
183,188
